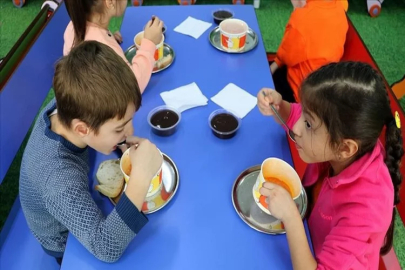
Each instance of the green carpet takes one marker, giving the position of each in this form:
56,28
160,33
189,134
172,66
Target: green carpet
384,37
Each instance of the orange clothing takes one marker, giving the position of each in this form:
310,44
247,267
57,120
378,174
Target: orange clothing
314,36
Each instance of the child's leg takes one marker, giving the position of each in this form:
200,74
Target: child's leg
281,84
238,2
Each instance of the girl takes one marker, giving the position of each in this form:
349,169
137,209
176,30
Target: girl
90,20
344,109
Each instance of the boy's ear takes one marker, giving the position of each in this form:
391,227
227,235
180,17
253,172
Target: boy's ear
348,149
80,128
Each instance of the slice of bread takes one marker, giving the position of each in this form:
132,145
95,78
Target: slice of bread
110,178
164,61
109,191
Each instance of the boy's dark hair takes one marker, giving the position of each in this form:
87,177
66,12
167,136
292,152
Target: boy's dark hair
350,98
94,84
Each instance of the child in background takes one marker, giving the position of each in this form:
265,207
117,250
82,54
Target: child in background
90,20
344,109
96,97
314,36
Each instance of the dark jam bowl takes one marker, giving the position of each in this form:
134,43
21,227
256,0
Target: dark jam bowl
221,15
223,123
164,120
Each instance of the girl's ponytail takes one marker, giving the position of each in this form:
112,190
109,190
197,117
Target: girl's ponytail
394,152
79,11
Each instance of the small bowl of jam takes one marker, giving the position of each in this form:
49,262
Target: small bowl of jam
164,120
221,15
223,123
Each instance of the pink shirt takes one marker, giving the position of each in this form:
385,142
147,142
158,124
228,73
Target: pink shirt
143,62
353,212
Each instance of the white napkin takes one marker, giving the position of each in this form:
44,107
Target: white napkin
236,100
192,27
184,97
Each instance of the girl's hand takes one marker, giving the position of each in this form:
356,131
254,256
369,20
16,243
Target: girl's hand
268,96
153,30
281,205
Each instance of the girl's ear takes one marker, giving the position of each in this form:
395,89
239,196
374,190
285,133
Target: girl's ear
347,149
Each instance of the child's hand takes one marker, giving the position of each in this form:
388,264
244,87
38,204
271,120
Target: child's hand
281,205
146,159
268,96
153,30
118,37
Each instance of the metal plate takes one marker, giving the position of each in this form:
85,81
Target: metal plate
250,213
165,62
170,184
251,40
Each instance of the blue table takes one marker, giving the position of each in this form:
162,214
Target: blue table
199,228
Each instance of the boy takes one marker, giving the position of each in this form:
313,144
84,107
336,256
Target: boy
314,36
96,97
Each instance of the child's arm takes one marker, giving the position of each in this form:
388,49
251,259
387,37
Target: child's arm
283,208
292,50
273,67
143,62
70,202
301,255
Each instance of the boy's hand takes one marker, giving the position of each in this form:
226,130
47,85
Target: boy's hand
153,30
146,159
118,37
281,205
268,96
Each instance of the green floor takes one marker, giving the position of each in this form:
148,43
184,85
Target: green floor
384,37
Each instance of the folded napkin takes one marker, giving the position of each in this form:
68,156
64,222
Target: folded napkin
192,27
236,100
184,97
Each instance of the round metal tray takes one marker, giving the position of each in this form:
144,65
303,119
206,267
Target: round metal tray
170,184
250,213
251,40
160,65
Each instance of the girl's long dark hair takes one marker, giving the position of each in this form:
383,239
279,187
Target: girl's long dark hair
79,12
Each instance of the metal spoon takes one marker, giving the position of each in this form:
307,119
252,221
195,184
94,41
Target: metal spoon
124,142
291,134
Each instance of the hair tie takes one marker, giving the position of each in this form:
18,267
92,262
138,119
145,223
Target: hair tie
395,120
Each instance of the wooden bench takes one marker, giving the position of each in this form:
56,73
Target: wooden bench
356,50
26,77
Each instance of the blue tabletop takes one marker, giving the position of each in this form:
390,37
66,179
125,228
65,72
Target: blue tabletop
199,228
